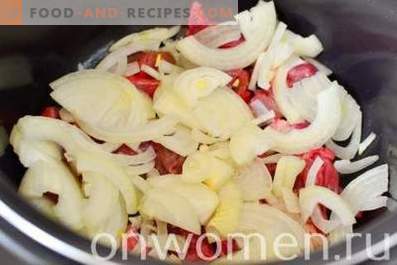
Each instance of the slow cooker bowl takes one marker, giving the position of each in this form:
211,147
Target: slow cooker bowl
360,39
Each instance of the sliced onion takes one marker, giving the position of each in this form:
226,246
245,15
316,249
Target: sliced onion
168,68
104,209
291,200
318,133
181,142
325,225
66,116
254,181
272,159
109,147
198,83
313,171
348,167
151,71
257,26
156,204
321,67
150,131
351,149
218,35
366,143
287,170
309,47
222,113
203,138
108,101
364,192
132,69
258,107
113,171
203,200
281,91
270,222
340,234
264,118
55,177
155,34
227,215
140,169
257,69
247,143
120,55
121,66
310,197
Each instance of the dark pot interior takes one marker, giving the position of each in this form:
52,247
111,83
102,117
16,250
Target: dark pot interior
360,39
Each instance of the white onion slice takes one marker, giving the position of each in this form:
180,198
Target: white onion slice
272,159
168,68
318,133
152,130
257,26
66,116
291,200
203,138
256,71
198,83
309,46
351,149
366,143
181,142
218,35
151,71
313,171
287,170
132,69
322,223
155,34
258,107
349,167
264,118
255,181
310,197
121,66
350,114
140,169
321,67
364,192
113,58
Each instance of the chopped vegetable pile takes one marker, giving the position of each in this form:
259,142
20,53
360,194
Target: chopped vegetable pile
233,128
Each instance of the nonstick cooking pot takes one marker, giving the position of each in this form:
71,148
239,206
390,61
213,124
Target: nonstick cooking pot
360,38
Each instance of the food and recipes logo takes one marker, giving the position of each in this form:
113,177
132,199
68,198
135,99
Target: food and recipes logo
10,12
251,247
112,12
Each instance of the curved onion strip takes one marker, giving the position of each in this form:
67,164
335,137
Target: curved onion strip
257,26
151,71
71,138
168,68
351,149
109,147
198,83
366,143
152,130
132,69
55,177
265,118
258,107
203,138
272,159
140,169
66,116
116,173
291,200
121,66
114,57
313,171
139,182
218,35
351,111
349,167
156,204
181,142
310,197
321,67
255,181
155,34
287,170
309,46
318,133
281,91
323,224
144,157
269,221
367,189
257,68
